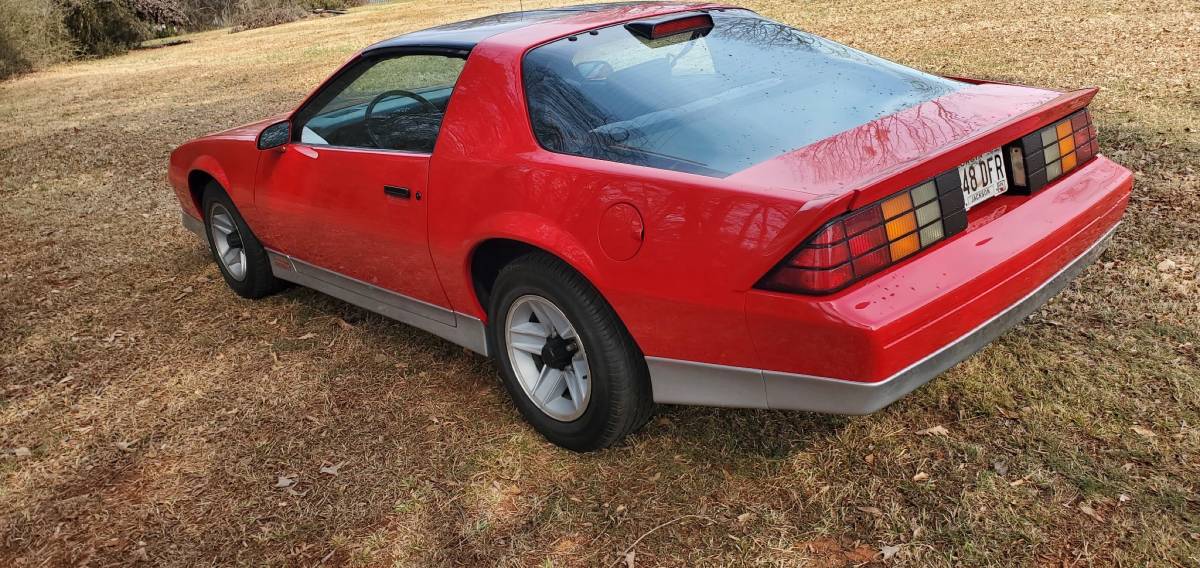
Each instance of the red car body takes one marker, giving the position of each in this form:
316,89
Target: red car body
677,255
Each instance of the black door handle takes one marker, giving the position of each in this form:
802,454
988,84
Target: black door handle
393,191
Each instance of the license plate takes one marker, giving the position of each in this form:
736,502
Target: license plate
983,177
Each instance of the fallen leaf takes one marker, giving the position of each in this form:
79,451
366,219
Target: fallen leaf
286,480
938,430
1124,498
629,559
1166,265
889,551
745,517
920,476
1143,432
183,293
332,469
1091,512
1019,482
306,336
22,452
871,511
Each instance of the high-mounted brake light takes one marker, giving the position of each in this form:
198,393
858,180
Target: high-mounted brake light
670,25
871,238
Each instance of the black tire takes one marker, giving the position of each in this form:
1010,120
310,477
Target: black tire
258,281
621,400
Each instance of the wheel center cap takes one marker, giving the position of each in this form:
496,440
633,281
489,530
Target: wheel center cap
558,352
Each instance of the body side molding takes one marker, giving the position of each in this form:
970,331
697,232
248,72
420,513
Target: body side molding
452,326
455,327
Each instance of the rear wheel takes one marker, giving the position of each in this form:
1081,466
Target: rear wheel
242,259
569,364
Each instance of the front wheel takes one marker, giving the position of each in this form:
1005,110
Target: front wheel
569,364
242,259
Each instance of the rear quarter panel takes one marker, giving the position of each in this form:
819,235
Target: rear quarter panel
705,242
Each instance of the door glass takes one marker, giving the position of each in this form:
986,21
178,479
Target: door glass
391,104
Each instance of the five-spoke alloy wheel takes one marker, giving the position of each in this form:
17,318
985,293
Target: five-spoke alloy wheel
242,259
565,358
227,241
548,358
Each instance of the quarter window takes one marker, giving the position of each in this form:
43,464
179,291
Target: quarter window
394,103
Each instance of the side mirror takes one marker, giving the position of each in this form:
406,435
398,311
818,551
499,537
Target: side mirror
275,135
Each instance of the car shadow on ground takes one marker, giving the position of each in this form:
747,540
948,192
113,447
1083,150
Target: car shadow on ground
747,433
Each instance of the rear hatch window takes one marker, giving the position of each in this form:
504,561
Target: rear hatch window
710,102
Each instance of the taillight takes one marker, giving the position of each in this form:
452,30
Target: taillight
871,238
1045,155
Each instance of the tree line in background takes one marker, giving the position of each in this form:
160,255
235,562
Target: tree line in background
37,33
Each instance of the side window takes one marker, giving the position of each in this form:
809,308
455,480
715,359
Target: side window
395,103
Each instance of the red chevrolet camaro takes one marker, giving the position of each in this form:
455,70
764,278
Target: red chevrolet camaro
631,204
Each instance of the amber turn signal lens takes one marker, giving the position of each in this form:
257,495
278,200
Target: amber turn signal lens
905,247
900,226
896,205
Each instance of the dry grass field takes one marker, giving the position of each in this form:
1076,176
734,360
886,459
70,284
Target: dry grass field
149,415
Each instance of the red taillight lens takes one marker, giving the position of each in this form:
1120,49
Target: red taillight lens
788,278
869,239
818,256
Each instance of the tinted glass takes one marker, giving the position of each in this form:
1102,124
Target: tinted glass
710,103
394,104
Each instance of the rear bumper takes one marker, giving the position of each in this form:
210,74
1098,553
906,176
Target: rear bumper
859,350
687,382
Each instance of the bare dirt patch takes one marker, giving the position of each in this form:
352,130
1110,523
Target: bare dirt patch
159,410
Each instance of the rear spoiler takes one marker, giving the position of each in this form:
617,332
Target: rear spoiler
975,81
1011,129
1089,92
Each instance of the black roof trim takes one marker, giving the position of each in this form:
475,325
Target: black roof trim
465,35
